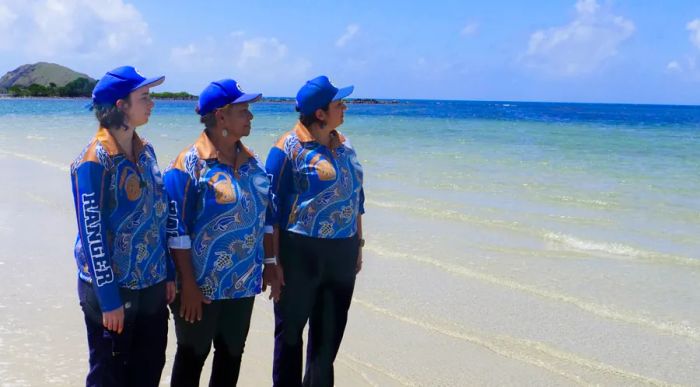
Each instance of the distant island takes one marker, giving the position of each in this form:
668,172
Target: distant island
182,95
365,101
81,87
44,79
286,100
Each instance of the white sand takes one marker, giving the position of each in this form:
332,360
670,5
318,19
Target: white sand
417,319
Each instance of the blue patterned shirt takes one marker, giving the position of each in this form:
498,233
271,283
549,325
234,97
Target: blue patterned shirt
121,208
220,215
317,191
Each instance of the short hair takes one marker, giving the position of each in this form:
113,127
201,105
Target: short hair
311,119
110,116
209,119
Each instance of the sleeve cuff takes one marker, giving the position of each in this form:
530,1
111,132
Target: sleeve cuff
108,297
181,242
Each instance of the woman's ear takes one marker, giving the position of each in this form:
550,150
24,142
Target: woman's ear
320,115
121,104
219,114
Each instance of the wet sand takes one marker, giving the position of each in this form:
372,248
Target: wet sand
417,318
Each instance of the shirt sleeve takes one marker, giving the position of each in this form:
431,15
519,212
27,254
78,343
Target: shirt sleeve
271,209
362,201
90,188
182,196
278,172
170,264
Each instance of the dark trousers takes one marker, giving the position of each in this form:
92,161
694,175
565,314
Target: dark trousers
319,277
226,324
136,356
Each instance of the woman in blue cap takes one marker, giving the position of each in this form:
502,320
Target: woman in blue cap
125,272
219,198
317,186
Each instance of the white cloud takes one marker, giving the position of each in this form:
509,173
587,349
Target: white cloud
470,29
60,29
694,28
260,61
184,52
269,59
350,32
587,7
183,57
7,21
673,66
580,47
7,17
687,66
257,51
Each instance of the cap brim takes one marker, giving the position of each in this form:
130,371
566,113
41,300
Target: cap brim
344,92
151,82
249,98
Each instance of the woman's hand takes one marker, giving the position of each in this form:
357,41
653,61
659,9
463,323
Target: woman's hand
358,264
170,292
274,277
191,299
114,320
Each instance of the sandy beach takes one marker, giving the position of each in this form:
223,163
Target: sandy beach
42,334
531,177
400,331
547,254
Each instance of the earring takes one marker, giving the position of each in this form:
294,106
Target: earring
224,133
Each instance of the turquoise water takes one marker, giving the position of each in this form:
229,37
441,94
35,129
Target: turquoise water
609,179
548,243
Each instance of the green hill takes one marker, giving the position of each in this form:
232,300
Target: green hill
42,73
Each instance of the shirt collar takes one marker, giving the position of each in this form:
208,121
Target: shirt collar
207,151
304,135
110,144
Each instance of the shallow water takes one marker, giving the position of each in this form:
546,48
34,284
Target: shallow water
555,237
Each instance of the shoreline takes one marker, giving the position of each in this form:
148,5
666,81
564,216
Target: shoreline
394,101
281,100
39,352
558,338
526,245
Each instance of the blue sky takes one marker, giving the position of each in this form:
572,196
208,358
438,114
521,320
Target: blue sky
577,50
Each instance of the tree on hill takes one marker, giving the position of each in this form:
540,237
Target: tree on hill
171,95
81,87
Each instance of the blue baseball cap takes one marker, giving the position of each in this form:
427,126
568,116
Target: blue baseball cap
119,83
318,93
221,93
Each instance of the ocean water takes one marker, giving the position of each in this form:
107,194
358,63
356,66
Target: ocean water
553,233
620,180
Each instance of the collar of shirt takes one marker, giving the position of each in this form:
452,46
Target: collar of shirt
110,144
207,151
305,136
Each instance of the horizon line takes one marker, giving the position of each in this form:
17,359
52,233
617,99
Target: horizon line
7,96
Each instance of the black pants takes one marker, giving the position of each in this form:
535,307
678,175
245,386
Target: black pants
226,324
136,356
319,277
